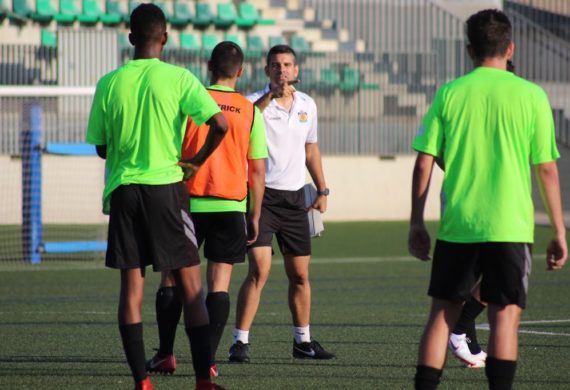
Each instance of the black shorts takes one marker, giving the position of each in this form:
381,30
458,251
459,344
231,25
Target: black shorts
224,235
150,224
504,269
283,213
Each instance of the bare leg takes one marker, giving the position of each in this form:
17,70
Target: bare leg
189,282
297,269
433,345
218,276
250,292
503,339
131,298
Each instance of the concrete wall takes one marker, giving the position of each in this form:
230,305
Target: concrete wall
72,189
362,188
369,188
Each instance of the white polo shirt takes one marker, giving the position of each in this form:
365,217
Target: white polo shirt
287,134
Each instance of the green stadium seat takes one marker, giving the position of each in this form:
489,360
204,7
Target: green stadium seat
350,80
203,16
45,11
48,38
68,12
162,5
209,41
114,13
189,41
4,9
181,14
22,10
234,38
227,15
248,15
91,12
277,40
254,47
299,44
308,79
329,79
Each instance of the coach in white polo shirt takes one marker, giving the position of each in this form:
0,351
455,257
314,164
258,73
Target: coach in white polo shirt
291,125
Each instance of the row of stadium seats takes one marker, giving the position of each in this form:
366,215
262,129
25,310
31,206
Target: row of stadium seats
179,13
329,78
254,44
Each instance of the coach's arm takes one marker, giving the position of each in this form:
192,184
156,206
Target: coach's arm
549,185
314,165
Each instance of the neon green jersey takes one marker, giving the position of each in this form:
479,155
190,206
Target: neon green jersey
488,126
257,150
139,111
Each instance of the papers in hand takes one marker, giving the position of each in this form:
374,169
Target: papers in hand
316,226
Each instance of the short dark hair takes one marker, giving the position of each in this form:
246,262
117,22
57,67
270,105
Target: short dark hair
489,33
225,60
280,49
147,22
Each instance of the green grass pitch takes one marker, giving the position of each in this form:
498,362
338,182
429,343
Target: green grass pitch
58,323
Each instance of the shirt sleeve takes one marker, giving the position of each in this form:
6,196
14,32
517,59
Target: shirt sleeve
96,134
312,134
196,101
543,143
257,141
430,137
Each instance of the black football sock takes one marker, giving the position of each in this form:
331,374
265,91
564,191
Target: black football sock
132,337
218,304
200,348
168,311
427,378
500,373
466,323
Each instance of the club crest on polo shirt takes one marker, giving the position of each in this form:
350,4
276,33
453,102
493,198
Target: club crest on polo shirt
303,117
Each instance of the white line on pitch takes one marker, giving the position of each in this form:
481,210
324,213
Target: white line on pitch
486,327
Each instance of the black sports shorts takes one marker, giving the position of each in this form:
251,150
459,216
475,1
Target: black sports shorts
283,213
224,235
150,224
504,269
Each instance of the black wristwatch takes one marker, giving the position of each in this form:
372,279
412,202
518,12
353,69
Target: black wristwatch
324,192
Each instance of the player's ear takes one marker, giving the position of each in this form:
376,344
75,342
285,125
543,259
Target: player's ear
132,39
240,72
267,70
510,50
164,38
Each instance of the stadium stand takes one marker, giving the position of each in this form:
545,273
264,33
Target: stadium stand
181,15
48,38
190,41
203,16
248,15
114,13
68,12
226,16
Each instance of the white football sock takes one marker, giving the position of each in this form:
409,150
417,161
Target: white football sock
302,334
241,335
